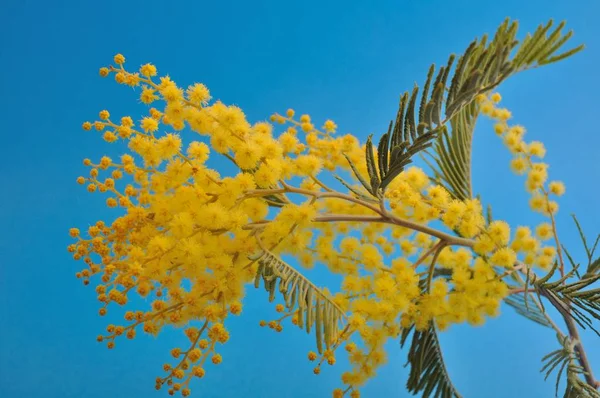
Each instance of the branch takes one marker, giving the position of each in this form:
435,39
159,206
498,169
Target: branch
449,239
384,215
575,338
427,254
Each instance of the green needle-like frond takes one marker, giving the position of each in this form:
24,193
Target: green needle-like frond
565,359
484,66
575,299
316,310
529,307
428,373
447,96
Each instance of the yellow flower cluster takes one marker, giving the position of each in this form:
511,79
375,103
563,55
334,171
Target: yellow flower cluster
524,162
188,238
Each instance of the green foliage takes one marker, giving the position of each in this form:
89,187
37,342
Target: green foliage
452,154
528,306
428,373
577,299
572,299
565,358
593,266
447,101
482,67
571,294
355,190
316,310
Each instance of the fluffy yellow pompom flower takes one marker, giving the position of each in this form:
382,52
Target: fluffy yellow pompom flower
487,108
513,142
247,156
214,216
182,225
148,70
500,128
330,126
266,175
499,231
119,59
557,188
256,209
438,196
149,125
198,93
148,95
416,178
308,165
483,245
536,148
504,114
384,287
288,142
518,131
198,151
522,232
544,231
109,136
352,284
536,178
519,165
537,202
371,257
504,257
551,208
169,145
307,127
349,245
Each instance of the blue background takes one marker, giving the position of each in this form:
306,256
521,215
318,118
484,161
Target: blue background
348,61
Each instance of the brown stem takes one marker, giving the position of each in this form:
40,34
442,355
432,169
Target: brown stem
438,249
583,360
449,239
555,235
565,311
518,290
383,215
427,254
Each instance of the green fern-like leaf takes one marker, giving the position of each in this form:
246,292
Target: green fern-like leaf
482,67
428,373
563,359
573,299
529,307
577,388
452,154
355,190
316,311
593,265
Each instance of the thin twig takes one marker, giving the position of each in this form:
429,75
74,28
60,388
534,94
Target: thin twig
427,254
449,239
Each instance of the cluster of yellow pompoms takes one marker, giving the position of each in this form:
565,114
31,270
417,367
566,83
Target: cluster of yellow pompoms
187,237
